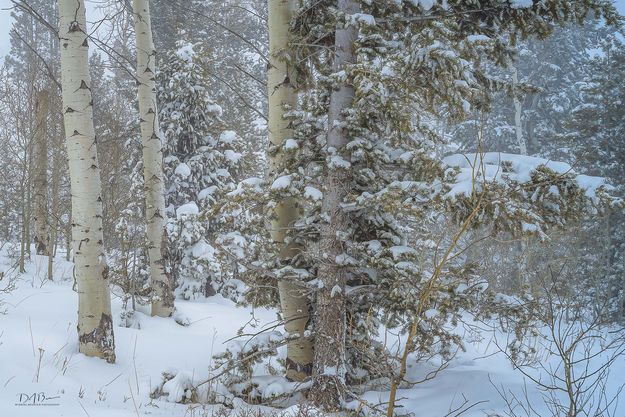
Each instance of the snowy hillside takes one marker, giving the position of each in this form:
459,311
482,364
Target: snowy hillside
40,356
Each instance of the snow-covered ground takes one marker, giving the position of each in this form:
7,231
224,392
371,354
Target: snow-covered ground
38,354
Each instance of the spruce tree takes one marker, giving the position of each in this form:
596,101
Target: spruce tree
200,166
409,60
595,138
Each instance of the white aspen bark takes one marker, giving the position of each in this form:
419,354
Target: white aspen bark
293,296
67,231
95,324
53,224
518,111
329,367
532,140
151,138
26,207
25,239
40,180
522,144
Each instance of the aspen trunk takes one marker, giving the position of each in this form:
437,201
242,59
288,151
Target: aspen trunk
24,239
328,389
293,296
151,138
53,224
26,208
95,324
28,211
532,140
522,144
23,243
40,180
67,230
518,110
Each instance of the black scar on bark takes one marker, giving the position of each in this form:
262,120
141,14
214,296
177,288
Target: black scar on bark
102,337
74,27
40,245
306,368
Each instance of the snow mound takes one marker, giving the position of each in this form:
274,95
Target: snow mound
281,183
228,136
313,193
183,170
189,209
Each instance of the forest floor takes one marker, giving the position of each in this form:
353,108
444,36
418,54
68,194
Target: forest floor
39,354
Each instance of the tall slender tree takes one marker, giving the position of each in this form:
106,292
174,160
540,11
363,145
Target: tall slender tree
152,141
282,97
40,180
329,370
95,323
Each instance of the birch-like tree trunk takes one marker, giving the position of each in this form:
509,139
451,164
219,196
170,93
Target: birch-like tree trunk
151,138
55,186
40,177
95,323
522,144
328,387
518,113
282,94
26,203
